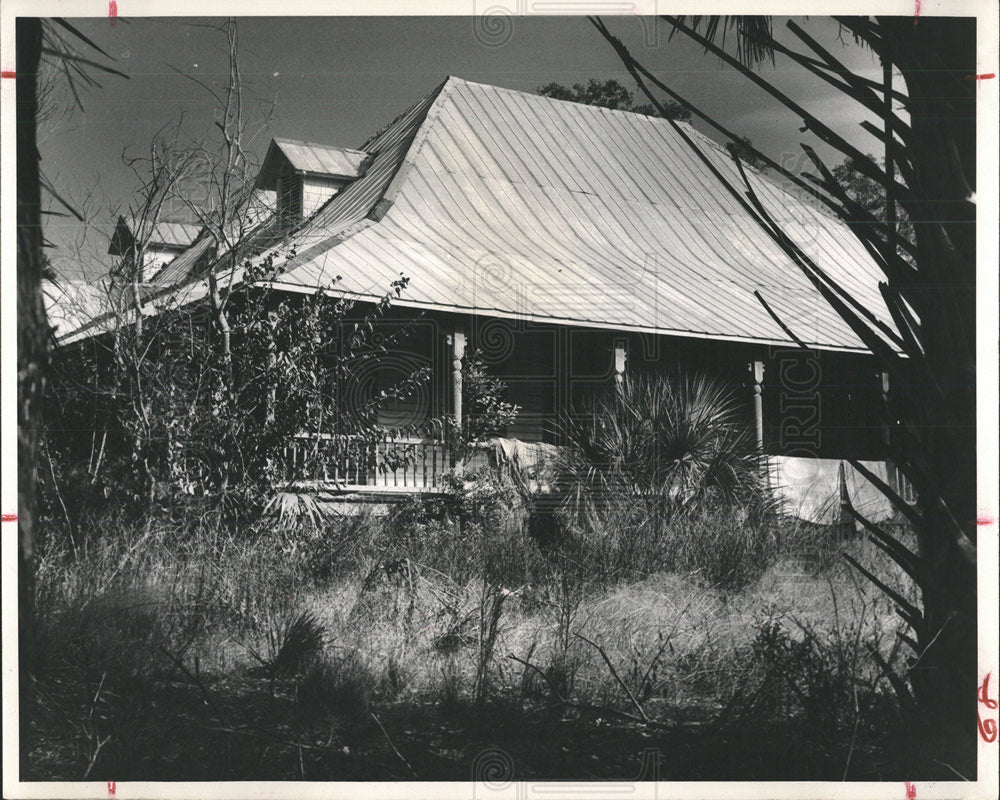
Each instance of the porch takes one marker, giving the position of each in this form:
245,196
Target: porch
390,463
817,408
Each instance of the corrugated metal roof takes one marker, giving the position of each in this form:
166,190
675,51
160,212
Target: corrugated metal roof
184,264
174,234
513,204
352,205
317,159
259,218
72,304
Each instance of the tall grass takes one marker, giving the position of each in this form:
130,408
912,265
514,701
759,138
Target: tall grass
214,650
663,474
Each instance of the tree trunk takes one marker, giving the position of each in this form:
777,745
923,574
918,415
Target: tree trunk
937,59
32,340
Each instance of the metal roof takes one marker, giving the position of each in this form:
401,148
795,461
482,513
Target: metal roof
73,304
316,159
517,205
258,221
174,235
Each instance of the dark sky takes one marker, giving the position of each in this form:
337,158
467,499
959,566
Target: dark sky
336,80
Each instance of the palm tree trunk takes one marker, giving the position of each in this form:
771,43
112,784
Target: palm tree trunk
937,60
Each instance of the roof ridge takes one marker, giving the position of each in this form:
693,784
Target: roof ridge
443,89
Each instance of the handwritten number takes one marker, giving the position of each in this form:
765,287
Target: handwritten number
987,727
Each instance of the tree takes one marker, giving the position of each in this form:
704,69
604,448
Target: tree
32,327
35,42
611,94
870,195
742,148
932,304
207,380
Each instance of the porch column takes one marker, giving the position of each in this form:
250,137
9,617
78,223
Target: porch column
756,369
457,342
890,468
621,356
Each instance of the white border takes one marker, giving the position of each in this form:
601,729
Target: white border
988,143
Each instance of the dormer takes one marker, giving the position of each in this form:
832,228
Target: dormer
304,175
161,243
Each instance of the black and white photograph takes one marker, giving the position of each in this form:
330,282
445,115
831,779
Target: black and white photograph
499,400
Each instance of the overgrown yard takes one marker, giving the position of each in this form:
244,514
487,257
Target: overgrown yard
429,644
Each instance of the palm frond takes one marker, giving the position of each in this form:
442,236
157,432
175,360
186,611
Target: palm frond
754,42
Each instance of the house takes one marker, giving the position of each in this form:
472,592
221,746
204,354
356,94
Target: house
570,244
155,243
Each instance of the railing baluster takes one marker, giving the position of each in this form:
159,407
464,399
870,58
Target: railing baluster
385,462
337,475
349,461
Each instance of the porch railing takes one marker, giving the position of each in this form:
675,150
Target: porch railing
899,483
392,463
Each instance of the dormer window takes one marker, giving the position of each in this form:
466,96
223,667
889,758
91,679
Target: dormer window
305,175
289,199
159,244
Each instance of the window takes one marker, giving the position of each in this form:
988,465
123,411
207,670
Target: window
289,199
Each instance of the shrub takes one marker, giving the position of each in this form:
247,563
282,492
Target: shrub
662,474
340,688
682,441
292,644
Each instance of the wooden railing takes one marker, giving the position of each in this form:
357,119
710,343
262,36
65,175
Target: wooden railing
393,463
898,483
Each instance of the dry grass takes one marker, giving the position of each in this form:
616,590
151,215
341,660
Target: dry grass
278,643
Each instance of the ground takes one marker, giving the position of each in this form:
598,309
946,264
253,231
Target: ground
379,650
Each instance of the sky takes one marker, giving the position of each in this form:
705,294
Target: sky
337,80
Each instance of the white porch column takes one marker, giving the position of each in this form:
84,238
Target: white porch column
756,370
621,357
890,468
457,341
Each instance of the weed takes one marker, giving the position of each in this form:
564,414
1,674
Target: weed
335,688
140,671
293,644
